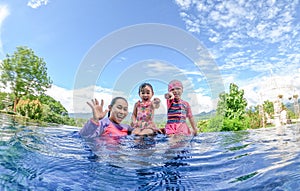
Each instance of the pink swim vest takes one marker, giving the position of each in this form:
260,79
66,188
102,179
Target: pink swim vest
111,130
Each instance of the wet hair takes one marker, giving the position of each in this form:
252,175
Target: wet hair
113,102
143,85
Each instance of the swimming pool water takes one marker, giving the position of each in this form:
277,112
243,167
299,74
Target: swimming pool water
34,157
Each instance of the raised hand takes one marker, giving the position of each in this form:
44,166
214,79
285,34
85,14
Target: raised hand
169,95
97,109
156,103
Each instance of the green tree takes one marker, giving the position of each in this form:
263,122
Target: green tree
232,105
4,103
52,111
54,106
254,117
231,111
25,74
30,108
268,107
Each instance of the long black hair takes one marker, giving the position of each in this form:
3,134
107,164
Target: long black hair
113,101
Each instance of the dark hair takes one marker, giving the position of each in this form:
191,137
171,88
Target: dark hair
113,101
143,85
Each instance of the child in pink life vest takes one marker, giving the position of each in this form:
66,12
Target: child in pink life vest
110,126
178,111
143,112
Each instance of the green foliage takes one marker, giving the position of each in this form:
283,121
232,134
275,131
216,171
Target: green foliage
25,73
215,123
268,107
30,108
202,125
254,119
2,97
230,111
42,108
160,125
79,122
54,106
54,111
234,124
5,101
232,105
52,117
291,114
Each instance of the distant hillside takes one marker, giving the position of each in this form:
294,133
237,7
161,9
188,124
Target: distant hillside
81,115
290,105
163,117
205,115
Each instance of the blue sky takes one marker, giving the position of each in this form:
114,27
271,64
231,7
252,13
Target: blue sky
101,48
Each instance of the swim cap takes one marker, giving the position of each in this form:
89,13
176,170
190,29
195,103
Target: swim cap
175,84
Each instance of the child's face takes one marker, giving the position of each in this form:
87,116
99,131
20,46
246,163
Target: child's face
146,93
177,92
118,111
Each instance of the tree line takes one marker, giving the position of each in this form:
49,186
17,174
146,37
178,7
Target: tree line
233,115
25,74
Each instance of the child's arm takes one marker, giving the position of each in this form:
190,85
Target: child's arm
134,114
169,95
156,103
191,118
193,124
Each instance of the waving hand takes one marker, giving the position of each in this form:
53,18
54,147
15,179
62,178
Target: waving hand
97,109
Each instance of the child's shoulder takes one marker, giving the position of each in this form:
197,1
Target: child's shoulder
184,102
137,103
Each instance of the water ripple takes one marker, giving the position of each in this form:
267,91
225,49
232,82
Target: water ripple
34,157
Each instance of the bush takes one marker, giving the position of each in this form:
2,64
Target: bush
234,124
254,121
215,124
30,108
51,117
202,125
6,102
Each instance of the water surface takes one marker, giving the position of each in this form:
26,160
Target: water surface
34,157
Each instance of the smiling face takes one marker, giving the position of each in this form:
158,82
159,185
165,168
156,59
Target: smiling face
177,92
146,93
118,111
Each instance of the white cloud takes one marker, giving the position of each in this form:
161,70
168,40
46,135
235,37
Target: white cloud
268,28
269,87
62,95
157,68
67,99
200,103
37,3
192,23
4,12
184,4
